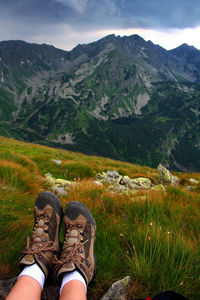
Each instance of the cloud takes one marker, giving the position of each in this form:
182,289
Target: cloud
119,13
69,22
78,6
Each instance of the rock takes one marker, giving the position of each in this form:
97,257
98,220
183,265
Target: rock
60,191
57,161
108,177
124,180
140,183
194,181
59,186
98,183
118,290
137,183
6,286
123,184
158,187
165,177
118,188
190,188
49,179
112,174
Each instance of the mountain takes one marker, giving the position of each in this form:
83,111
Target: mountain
120,97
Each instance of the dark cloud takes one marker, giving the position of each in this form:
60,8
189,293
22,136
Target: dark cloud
162,13
119,13
43,18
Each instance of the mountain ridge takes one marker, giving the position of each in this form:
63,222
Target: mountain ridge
129,93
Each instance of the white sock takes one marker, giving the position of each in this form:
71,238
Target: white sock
35,272
74,275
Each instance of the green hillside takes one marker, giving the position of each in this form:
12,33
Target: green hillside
153,236
119,97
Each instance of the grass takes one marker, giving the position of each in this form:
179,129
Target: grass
151,236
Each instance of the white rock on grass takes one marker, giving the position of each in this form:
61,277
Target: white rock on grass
57,161
98,183
194,181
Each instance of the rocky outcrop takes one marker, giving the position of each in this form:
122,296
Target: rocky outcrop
59,186
126,185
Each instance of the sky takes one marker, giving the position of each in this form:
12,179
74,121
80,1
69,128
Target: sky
67,23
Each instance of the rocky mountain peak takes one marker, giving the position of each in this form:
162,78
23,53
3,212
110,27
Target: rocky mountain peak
120,97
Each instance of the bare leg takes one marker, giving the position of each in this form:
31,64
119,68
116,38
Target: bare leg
73,290
25,288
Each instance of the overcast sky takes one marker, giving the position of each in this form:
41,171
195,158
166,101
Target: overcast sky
66,23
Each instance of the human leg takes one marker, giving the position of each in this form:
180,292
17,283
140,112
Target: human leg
73,290
25,288
37,259
76,266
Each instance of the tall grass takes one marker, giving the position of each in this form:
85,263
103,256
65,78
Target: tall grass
151,236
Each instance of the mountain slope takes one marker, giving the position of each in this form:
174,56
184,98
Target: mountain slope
118,97
146,234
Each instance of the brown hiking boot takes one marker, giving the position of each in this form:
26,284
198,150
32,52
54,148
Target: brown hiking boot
78,247
48,215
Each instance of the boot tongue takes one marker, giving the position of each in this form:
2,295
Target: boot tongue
73,239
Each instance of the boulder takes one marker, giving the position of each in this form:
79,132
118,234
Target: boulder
124,180
98,183
118,290
60,191
49,179
57,161
123,184
165,177
59,186
194,181
108,177
158,187
140,183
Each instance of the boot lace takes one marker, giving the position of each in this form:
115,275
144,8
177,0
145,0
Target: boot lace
74,254
41,223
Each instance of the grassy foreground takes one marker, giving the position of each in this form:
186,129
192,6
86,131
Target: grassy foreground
153,236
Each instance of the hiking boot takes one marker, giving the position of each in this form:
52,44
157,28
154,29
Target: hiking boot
48,215
78,247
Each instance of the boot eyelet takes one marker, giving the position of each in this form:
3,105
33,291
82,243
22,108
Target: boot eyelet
88,264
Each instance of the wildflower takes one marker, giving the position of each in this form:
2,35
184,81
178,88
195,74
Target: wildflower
149,238
168,232
181,283
151,224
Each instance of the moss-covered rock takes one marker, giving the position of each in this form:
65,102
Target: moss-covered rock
165,177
